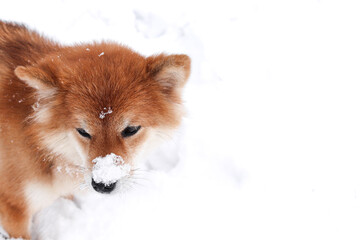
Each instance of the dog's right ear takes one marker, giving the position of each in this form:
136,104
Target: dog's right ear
36,78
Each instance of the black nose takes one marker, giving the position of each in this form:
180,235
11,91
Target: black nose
102,187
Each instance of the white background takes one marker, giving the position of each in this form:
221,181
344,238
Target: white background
270,147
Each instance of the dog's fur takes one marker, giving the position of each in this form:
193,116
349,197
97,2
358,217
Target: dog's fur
48,90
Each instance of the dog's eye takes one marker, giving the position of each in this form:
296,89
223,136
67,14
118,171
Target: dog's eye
130,130
83,133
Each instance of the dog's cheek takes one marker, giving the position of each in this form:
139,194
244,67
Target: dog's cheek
64,144
81,148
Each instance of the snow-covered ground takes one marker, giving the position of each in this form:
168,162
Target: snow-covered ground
270,147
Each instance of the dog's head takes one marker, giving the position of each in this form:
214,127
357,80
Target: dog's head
100,99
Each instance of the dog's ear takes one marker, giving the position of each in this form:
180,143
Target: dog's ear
170,71
40,79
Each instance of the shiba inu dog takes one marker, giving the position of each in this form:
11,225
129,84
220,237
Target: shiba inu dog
63,106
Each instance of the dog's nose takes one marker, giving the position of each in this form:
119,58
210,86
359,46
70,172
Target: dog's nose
103,188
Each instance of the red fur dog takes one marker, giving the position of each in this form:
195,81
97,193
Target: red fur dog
63,106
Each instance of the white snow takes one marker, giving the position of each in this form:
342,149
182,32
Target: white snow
270,145
3,234
109,169
103,114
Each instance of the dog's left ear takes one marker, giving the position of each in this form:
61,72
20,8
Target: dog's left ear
170,71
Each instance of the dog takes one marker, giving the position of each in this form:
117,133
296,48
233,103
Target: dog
64,106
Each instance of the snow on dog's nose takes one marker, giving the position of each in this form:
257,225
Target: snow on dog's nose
107,171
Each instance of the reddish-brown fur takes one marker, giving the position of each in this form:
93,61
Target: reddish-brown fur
75,83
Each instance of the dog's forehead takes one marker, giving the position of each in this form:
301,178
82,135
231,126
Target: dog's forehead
108,103
111,88
104,88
